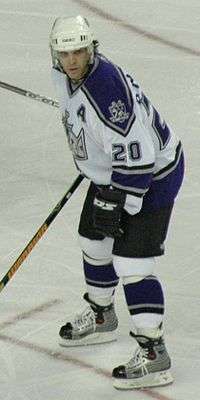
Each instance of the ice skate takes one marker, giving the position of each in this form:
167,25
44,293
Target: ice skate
150,366
96,324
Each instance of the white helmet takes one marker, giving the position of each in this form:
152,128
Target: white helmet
69,34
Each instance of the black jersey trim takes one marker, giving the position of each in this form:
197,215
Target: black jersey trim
171,166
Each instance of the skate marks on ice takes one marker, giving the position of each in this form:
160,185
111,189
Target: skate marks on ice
59,355
136,29
30,313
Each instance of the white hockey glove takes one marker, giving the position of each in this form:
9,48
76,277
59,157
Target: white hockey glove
107,212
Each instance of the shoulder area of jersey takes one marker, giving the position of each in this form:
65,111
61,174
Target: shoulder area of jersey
107,90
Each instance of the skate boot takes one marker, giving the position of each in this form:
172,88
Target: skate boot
96,324
150,365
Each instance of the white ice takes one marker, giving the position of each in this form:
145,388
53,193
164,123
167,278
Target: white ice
35,171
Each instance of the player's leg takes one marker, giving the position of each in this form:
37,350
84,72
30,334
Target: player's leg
98,322
134,261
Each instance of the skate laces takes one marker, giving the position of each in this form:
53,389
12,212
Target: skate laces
139,359
84,320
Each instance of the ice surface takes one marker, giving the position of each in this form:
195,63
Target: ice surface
36,170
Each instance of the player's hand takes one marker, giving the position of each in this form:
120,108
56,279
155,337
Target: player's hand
107,212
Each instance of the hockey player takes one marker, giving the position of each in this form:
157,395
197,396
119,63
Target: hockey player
135,164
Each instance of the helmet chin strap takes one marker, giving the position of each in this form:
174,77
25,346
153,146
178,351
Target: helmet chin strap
92,50
89,66
77,81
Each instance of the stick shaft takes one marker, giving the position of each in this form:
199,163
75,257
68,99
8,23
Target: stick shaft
28,93
35,239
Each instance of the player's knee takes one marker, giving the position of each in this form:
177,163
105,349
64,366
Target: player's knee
133,270
99,251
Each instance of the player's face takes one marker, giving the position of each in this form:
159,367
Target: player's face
75,63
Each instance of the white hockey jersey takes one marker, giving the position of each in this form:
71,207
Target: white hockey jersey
117,137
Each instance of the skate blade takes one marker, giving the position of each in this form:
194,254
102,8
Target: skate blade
94,338
151,380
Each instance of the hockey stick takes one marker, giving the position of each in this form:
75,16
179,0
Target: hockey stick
35,239
28,93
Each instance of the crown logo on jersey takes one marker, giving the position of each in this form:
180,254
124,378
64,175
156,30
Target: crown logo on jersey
76,143
118,112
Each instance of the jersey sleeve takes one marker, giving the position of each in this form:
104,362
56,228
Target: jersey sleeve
126,139
133,160
58,78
